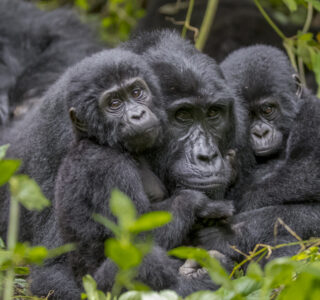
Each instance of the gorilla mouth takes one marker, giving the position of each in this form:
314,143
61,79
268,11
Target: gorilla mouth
203,184
143,140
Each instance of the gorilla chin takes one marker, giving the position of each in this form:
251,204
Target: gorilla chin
144,140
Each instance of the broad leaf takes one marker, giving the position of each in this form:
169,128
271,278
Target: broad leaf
3,150
7,168
124,254
123,208
150,221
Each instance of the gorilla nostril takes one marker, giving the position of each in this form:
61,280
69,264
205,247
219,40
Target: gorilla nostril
138,116
265,133
207,157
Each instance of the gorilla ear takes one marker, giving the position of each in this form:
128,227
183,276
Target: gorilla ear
299,85
77,124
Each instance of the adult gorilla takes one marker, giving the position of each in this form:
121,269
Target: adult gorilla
284,136
199,104
36,47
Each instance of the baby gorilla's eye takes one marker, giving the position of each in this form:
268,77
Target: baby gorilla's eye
213,112
114,103
136,93
268,109
183,115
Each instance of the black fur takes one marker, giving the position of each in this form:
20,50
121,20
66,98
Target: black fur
284,184
36,47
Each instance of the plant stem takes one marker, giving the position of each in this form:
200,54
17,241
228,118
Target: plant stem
307,24
188,18
12,240
268,19
305,29
206,23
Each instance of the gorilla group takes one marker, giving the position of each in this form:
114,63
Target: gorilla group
164,124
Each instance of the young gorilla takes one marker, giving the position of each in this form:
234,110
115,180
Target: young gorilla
36,47
284,136
120,89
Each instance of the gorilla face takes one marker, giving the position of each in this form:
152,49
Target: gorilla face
265,136
117,101
200,127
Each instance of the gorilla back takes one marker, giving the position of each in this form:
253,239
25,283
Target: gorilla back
36,47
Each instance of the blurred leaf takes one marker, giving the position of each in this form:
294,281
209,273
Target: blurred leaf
37,255
163,295
2,245
123,208
61,250
22,270
124,254
3,150
108,224
90,287
254,271
291,4
204,295
315,3
202,257
279,271
7,168
82,4
150,221
28,193
246,285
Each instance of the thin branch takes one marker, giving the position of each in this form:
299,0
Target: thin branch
207,23
188,18
268,19
307,24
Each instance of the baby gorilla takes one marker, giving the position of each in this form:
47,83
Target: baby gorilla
284,130
115,107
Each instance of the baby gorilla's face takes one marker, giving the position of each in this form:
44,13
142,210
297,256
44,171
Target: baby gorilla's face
129,104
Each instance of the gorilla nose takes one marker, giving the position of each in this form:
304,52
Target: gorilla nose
137,115
207,156
261,132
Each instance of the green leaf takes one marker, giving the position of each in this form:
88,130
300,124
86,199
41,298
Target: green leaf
3,150
123,253
291,4
123,208
37,255
202,257
2,245
22,270
204,295
107,223
315,60
150,221
163,295
279,271
83,4
315,3
28,193
254,271
90,287
7,168
246,285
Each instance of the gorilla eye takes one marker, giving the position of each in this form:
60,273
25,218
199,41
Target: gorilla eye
183,115
114,103
213,112
136,93
267,110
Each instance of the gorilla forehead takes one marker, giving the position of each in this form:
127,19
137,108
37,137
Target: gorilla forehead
260,71
108,68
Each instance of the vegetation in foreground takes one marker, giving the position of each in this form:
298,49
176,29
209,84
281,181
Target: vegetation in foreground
285,278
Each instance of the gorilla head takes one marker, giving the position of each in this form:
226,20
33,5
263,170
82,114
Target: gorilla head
204,126
264,78
116,101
